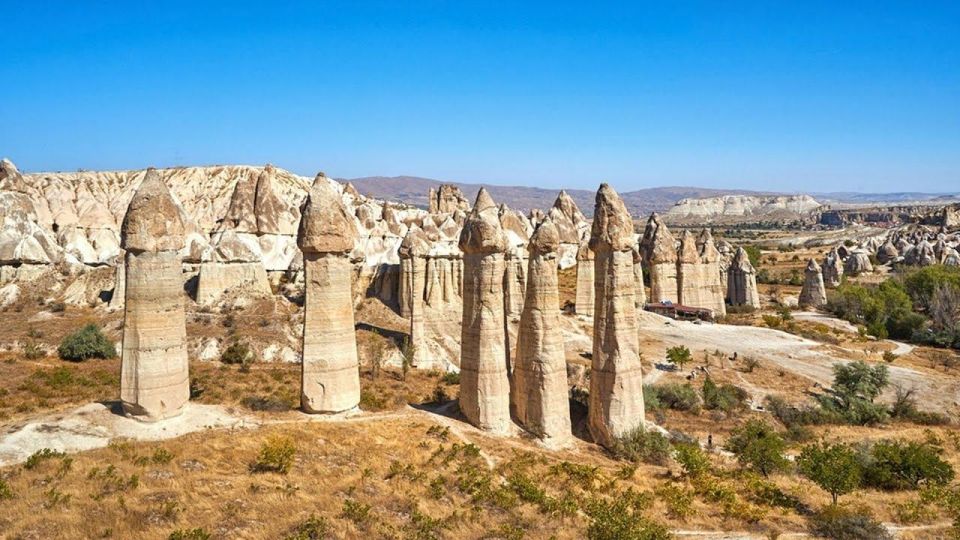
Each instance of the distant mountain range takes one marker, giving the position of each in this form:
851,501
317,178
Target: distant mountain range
414,189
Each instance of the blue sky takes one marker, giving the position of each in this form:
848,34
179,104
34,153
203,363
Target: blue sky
816,96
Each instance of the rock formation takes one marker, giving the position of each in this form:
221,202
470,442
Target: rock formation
539,394
154,373
616,381
484,382
330,379
742,281
447,199
583,299
832,269
813,294
660,252
413,253
641,291
858,262
714,291
689,272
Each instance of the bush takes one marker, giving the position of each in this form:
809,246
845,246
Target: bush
758,446
898,465
833,467
886,310
451,378
726,398
679,397
692,459
905,408
679,355
276,455
237,353
313,528
88,342
32,351
618,519
641,445
5,492
838,523
189,534
855,386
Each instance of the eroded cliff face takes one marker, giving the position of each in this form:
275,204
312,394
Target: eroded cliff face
743,206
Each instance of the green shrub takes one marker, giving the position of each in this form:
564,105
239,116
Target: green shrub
641,445
617,519
276,455
237,353
40,456
838,523
898,465
692,459
189,534
833,467
451,377
758,446
905,408
357,512
679,355
5,492
726,398
313,528
88,342
32,351
679,397
651,398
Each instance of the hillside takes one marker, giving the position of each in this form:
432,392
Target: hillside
413,190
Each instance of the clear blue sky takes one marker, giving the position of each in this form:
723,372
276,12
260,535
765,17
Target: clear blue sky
806,95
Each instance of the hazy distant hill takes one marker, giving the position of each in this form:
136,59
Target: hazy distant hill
413,190
847,197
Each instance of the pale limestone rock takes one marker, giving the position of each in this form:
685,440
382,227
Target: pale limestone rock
241,215
742,281
583,299
539,394
857,263
514,281
660,252
447,199
813,293
484,383
713,290
274,215
217,278
413,251
832,269
119,295
641,291
330,380
154,380
616,380
689,272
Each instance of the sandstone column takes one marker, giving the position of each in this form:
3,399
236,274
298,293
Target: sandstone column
583,300
813,293
714,291
641,297
539,395
660,251
484,384
330,380
689,271
413,252
832,269
154,373
742,281
616,381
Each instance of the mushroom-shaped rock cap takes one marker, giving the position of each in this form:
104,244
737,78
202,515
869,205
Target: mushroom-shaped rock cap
812,267
325,226
545,239
482,232
415,243
612,224
152,221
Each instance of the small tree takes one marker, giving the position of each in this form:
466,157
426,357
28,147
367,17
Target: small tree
88,342
859,380
833,467
758,446
407,352
679,355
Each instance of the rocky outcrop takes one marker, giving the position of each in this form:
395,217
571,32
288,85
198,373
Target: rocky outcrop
857,263
583,299
616,381
484,383
539,395
743,205
641,291
714,291
742,281
832,269
813,293
413,266
689,272
330,378
659,250
154,372
447,199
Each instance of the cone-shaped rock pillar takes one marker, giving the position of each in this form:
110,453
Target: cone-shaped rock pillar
660,251
539,395
330,380
714,290
583,300
832,269
742,281
154,378
413,262
484,381
813,293
616,381
641,297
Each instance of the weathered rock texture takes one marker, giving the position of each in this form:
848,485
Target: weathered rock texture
413,261
583,300
832,269
616,381
641,294
660,252
539,394
813,293
154,373
742,281
447,199
714,290
858,262
330,379
690,272
484,382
